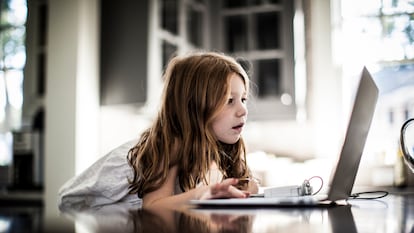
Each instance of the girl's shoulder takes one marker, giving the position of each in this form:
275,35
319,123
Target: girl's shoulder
104,182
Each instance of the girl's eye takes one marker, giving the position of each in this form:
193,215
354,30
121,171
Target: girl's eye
231,100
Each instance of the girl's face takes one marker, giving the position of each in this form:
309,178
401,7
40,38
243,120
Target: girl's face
229,122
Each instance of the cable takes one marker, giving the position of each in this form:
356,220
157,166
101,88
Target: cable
376,195
320,187
369,195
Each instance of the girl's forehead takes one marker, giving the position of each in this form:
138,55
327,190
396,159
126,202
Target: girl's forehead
236,81
244,79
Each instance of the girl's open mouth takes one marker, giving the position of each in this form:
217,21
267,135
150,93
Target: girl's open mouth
238,127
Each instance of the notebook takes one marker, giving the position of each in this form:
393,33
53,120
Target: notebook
344,174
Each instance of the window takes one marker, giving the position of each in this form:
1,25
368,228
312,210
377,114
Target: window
182,26
262,33
380,35
13,15
384,29
256,30
169,16
13,58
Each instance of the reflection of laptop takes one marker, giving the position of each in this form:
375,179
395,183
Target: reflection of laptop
346,169
340,218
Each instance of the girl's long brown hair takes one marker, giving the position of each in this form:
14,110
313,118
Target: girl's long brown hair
196,88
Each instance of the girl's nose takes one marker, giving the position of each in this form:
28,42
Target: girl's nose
242,111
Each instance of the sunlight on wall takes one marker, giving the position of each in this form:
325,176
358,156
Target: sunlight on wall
87,93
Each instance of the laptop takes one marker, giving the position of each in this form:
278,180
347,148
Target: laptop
344,174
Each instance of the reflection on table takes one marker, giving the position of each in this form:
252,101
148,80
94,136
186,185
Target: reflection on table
394,213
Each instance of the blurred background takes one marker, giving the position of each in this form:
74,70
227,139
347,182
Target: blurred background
78,78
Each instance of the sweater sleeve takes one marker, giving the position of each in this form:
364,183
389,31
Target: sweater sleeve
104,182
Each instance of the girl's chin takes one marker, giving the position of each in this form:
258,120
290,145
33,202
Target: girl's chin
230,141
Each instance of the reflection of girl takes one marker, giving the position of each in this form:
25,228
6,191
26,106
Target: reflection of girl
157,220
148,221
119,218
193,150
218,222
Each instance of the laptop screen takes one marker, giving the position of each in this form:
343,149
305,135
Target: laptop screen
359,123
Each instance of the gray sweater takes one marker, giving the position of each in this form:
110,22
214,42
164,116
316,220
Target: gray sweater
105,182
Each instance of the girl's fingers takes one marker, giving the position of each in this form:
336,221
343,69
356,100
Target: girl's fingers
226,189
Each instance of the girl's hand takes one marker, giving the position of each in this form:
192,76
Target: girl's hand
225,189
249,184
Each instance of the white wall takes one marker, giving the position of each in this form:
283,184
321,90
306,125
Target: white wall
72,107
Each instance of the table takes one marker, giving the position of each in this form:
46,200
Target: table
393,213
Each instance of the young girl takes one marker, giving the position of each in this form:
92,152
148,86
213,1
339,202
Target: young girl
193,150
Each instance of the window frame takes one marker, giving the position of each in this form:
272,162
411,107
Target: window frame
268,108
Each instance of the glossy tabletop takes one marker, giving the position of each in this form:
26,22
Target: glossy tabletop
393,213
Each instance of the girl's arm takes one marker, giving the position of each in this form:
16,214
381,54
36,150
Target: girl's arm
165,196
